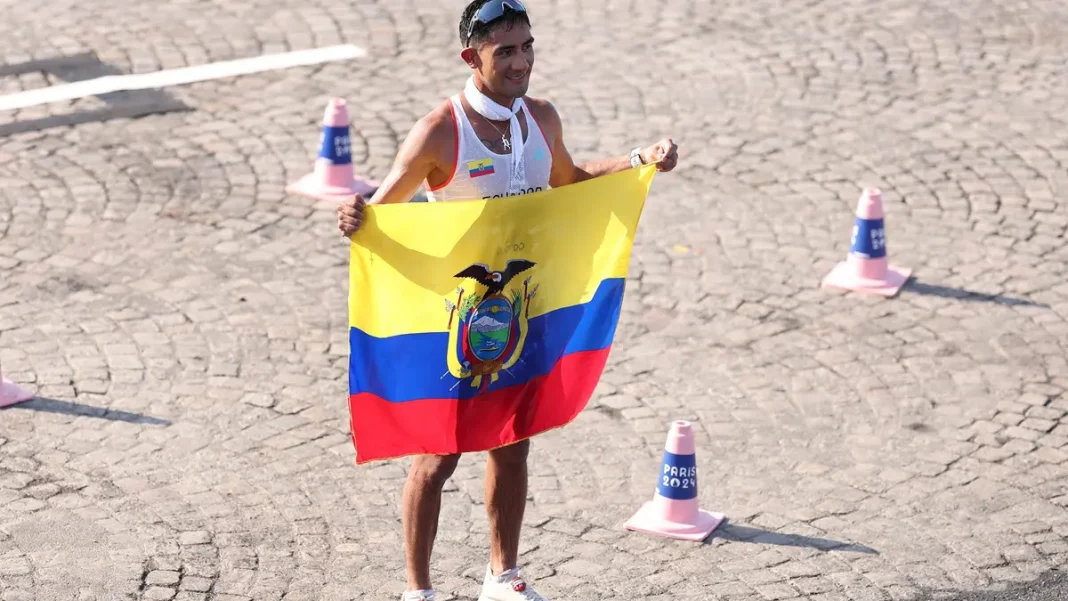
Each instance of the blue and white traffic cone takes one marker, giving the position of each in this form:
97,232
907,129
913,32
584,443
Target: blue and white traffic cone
333,178
11,393
866,269
674,511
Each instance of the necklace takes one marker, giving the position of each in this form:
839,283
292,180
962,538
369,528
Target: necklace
507,144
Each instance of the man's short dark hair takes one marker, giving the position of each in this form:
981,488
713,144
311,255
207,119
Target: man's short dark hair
483,31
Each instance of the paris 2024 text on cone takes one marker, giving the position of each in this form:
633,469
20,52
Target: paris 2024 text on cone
333,178
674,511
866,269
11,393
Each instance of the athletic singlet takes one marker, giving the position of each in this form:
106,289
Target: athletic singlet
480,173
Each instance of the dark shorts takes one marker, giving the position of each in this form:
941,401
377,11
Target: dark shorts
420,196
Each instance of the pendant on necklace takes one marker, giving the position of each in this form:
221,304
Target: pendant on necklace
507,144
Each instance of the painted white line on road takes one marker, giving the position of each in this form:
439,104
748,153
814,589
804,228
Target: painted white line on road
174,77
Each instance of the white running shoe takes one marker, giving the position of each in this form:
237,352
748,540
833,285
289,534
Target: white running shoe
507,587
418,596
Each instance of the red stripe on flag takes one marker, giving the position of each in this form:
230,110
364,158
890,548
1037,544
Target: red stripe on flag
384,430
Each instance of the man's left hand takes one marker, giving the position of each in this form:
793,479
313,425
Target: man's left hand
664,153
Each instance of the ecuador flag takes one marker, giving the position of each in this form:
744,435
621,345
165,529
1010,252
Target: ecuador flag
477,324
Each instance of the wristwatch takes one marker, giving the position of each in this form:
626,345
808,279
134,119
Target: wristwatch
636,157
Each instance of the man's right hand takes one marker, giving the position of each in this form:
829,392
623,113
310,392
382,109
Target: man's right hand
350,215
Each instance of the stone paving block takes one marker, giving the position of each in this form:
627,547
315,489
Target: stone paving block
162,578
158,593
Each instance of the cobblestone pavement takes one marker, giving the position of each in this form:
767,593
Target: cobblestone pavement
182,320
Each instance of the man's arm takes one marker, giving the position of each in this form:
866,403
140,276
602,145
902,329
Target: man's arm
416,158
565,171
419,155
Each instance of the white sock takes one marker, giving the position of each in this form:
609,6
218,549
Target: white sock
507,575
427,594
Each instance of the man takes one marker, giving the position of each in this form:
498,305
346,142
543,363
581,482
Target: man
490,141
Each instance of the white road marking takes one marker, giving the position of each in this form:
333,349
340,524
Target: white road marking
174,77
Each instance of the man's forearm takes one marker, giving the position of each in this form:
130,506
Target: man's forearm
599,167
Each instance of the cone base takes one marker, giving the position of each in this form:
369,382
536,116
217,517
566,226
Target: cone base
843,277
310,186
648,520
11,393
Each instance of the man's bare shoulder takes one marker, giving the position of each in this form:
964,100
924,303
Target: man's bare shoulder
431,141
546,115
544,111
439,122
436,129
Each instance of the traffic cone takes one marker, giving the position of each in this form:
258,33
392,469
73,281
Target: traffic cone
333,178
866,269
674,510
11,393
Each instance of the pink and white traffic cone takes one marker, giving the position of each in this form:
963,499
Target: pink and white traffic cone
674,511
333,177
11,393
866,269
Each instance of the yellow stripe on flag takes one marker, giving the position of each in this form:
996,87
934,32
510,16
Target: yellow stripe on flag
405,257
479,164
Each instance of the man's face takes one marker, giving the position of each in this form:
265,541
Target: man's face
507,59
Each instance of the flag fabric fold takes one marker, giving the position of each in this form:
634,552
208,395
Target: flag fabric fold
477,324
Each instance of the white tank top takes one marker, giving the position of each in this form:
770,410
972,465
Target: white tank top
480,173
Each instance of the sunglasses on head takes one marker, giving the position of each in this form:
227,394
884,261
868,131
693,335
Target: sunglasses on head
491,11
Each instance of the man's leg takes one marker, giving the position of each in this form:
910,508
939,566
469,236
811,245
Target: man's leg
506,499
420,508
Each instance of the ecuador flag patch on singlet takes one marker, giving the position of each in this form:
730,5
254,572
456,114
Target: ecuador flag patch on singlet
480,167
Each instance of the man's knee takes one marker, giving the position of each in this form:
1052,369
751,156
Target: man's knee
514,453
433,469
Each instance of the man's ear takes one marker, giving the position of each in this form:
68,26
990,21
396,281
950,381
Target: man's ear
470,56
